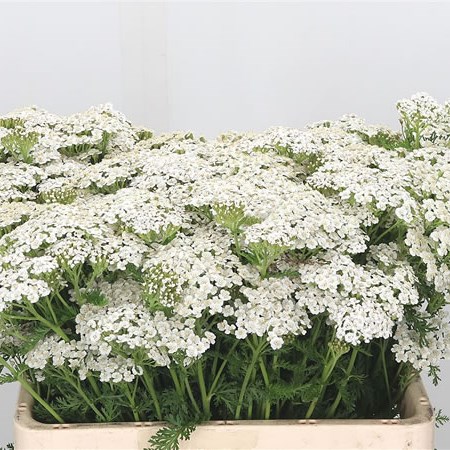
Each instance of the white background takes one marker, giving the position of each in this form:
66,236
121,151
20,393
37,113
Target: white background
211,67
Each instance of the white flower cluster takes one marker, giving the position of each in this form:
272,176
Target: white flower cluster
17,181
90,134
11,215
91,126
8,335
423,115
366,175
435,346
268,310
307,219
362,302
194,273
127,324
316,141
430,171
143,211
57,239
249,234
80,357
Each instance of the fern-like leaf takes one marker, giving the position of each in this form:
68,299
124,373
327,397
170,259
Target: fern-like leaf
168,438
440,418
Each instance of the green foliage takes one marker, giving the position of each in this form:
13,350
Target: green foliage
93,297
168,438
96,151
11,122
310,391
111,408
312,375
36,331
19,145
160,288
7,229
163,236
65,196
309,161
413,125
187,136
7,378
118,184
82,276
232,217
225,398
71,407
309,373
440,418
144,134
204,212
419,323
433,373
76,149
173,404
102,147
436,301
385,139
263,254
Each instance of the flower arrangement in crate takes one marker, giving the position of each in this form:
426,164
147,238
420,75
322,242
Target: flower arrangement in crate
284,274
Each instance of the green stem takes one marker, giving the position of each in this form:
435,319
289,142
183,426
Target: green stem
263,268
176,382
55,328
417,136
385,374
38,398
74,275
314,337
400,368
27,386
148,381
250,414
330,363
83,395
277,375
332,410
191,395
52,312
12,316
132,402
94,386
267,384
250,410
248,373
214,365
381,236
202,385
237,243
61,299
221,368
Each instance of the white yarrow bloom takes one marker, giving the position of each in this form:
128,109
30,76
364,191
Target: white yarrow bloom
161,243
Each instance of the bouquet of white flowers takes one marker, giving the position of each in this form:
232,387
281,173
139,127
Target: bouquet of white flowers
284,274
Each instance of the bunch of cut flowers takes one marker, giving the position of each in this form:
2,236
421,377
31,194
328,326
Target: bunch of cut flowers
284,274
